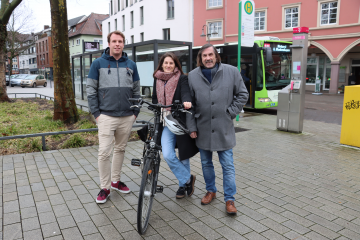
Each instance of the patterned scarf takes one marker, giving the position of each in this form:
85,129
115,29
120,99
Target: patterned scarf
166,84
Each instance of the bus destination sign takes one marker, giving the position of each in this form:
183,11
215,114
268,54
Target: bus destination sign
280,48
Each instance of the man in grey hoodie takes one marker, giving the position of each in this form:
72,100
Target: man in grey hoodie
112,80
219,94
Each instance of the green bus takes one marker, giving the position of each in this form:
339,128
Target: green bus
265,68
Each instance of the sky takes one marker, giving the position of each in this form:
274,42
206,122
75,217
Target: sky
41,14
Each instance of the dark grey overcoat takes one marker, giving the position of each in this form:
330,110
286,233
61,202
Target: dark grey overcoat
215,106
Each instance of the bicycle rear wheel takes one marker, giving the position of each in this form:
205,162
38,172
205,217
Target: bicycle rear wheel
146,196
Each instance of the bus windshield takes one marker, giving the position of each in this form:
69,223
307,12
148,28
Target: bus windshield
278,72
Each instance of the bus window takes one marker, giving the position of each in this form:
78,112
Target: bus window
278,72
259,73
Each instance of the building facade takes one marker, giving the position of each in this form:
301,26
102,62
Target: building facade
334,32
147,20
88,29
27,59
44,54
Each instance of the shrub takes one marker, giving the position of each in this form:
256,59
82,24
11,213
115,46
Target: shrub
75,141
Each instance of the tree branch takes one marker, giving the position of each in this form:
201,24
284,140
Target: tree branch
7,13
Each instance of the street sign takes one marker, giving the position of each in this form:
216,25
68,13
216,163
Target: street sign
246,26
247,12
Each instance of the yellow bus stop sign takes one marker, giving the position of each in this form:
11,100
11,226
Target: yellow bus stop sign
248,7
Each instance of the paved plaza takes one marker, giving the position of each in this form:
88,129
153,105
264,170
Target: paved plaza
290,186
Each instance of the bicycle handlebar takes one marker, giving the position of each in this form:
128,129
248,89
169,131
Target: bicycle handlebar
142,101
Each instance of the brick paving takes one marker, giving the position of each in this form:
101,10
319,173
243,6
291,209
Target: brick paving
290,186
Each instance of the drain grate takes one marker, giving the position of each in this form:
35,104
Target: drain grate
239,129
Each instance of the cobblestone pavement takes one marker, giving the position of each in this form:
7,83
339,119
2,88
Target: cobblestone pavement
290,186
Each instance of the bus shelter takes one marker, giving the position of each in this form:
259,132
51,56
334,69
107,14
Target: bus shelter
145,54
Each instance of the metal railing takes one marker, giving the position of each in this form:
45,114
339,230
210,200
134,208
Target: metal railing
43,135
47,97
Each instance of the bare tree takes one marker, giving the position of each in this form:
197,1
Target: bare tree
20,24
64,101
6,10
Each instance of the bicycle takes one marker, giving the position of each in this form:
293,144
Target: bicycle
150,163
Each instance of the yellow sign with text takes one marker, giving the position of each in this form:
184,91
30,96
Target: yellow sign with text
350,127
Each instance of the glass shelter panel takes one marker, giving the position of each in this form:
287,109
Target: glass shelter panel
145,64
77,77
85,73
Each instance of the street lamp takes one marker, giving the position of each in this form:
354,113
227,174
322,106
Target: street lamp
208,34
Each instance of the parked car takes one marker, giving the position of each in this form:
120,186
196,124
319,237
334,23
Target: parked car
7,78
15,80
33,80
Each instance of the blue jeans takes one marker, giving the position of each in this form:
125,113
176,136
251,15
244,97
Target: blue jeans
227,164
181,169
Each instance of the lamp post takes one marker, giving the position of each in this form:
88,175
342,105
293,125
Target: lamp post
208,34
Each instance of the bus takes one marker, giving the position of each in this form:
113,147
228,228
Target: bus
265,68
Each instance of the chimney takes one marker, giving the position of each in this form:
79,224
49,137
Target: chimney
32,34
46,27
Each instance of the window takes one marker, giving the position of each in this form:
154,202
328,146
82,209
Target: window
46,45
141,15
141,37
73,42
166,34
123,21
259,21
215,27
126,3
131,19
328,13
170,9
14,59
14,66
115,24
214,3
47,58
109,27
132,38
99,40
74,29
118,5
291,17
78,41
111,7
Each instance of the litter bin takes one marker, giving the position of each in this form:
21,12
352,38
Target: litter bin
350,127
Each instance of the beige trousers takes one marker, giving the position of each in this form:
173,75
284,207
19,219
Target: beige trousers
113,131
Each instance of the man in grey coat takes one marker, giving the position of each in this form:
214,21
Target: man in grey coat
219,94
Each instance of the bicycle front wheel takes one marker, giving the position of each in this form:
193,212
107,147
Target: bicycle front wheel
146,196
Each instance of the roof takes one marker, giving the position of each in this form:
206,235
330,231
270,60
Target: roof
74,21
91,25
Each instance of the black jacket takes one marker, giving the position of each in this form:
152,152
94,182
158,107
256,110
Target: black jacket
185,144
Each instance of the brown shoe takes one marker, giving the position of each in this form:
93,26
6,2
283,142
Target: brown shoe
208,198
230,207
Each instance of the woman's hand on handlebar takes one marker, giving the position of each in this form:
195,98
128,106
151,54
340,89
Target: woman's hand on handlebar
187,105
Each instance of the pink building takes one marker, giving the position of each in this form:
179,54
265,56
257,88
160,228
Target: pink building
334,37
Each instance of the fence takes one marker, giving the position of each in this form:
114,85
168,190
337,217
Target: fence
43,135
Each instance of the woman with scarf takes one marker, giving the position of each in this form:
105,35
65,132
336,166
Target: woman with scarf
170,84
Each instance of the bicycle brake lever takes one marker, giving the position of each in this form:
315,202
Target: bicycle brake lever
185,111
134,106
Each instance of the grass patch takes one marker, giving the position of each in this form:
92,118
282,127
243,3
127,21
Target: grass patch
30,115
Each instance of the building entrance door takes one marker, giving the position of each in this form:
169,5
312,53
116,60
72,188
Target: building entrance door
356,73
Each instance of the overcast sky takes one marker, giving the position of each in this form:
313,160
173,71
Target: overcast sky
42,15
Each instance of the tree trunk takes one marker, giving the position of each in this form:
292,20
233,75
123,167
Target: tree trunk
64,102
3,90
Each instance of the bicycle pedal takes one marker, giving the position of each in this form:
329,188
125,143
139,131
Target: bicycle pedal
136,162
159,189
